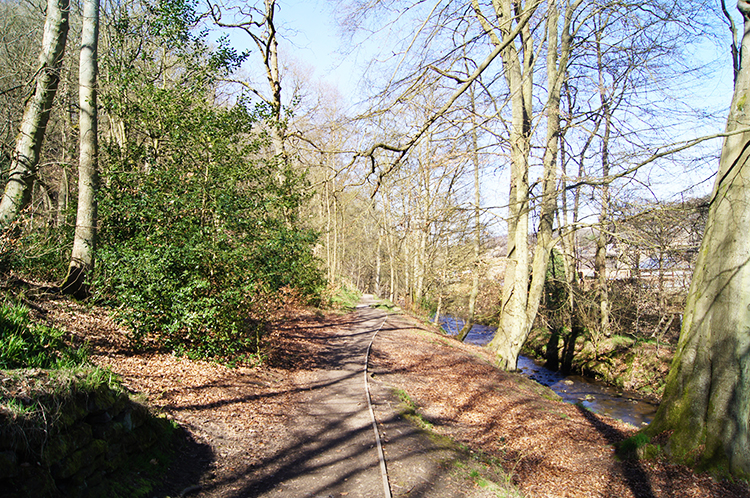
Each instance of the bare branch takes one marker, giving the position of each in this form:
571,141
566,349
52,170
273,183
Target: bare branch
606,180
404,149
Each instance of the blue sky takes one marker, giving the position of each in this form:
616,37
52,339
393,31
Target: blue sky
309,34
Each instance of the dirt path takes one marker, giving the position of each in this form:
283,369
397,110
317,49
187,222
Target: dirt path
331,447
335,451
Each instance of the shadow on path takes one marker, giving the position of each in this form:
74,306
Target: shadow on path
635,476
329,448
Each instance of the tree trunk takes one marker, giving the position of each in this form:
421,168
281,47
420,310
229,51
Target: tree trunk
84,242
512,327
520,298
63,191
36,114
335,253
378,261
271,60
329,249
706,403
600,259
420,258
556,73
477,242
392,291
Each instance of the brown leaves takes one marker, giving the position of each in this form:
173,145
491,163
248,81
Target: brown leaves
551,448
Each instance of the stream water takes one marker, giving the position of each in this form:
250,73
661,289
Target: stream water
592,394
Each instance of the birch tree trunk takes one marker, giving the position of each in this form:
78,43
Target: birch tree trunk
84,242
706,403
600,259
36,114
378,261
556,73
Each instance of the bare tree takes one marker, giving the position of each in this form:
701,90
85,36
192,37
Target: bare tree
25,159
260,25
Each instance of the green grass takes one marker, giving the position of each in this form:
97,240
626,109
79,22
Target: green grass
385,305
345,298
25,344
621,340
638,447
409,411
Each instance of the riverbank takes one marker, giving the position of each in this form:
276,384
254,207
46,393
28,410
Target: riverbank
624,362
619,367
550,448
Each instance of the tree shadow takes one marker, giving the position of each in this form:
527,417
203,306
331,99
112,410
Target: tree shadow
192,459
551,353
569,349
633,472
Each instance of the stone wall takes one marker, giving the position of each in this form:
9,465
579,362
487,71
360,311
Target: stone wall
77,453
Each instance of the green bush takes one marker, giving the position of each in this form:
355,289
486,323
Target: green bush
188,249
24,344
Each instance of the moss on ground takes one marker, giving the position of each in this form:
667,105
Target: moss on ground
481,469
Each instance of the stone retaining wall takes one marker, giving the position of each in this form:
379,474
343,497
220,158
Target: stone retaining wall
92,435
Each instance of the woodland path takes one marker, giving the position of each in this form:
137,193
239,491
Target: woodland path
298,426
329,448
336,453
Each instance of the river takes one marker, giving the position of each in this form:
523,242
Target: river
591,394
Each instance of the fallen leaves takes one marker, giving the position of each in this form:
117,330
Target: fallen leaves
552,449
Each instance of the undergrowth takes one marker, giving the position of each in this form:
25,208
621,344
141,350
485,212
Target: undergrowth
25,344
345,297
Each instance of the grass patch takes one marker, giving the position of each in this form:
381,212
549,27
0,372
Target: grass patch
386,305
620,341
408,410
483,470
638,447
345,298
24,344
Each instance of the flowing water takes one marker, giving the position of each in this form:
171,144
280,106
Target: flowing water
592,394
